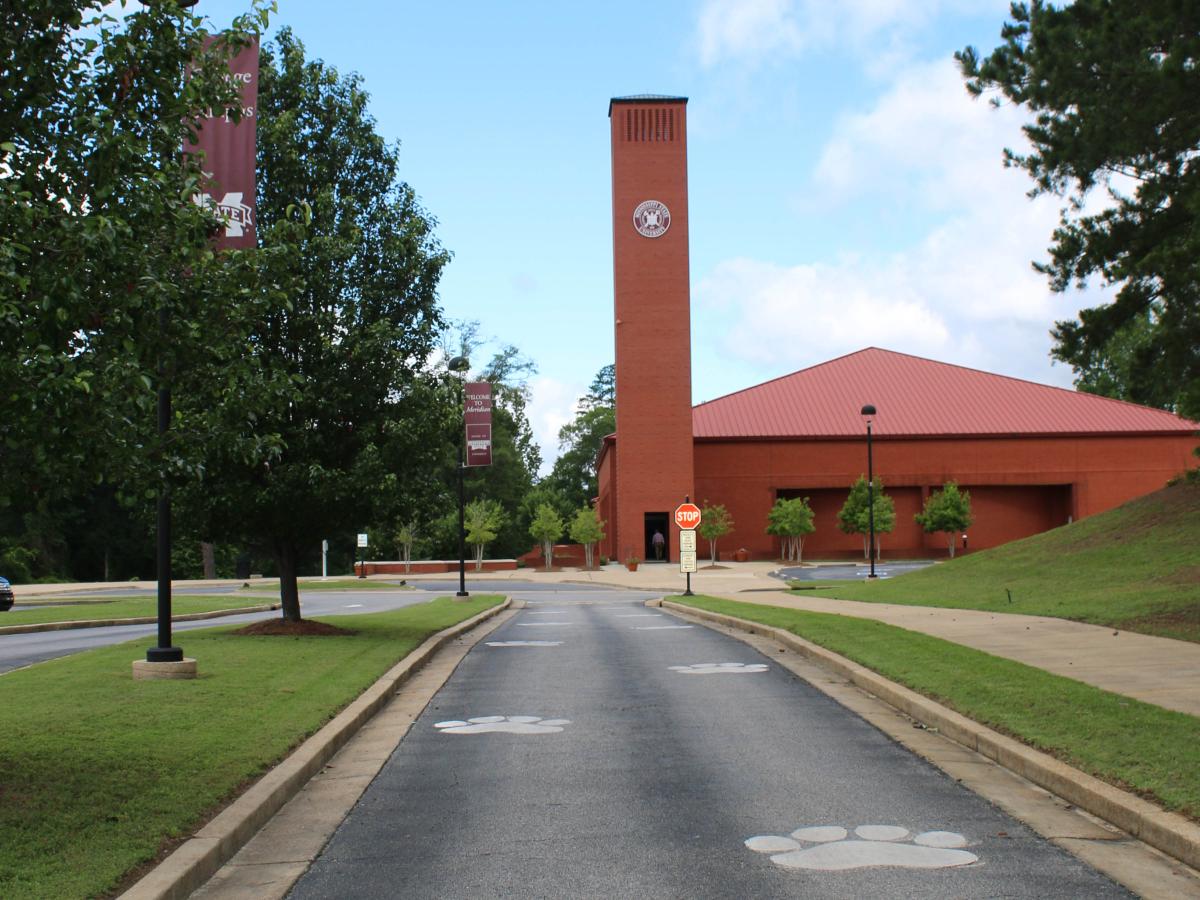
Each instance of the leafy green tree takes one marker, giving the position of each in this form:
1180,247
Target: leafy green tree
98,236
546,528
516,458
107,272
1113,86
574,472
587,529
947,510
791,519
361,273
715,523
885,516
405,536
854,516
483,520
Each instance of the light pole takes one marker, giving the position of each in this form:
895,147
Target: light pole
868,413
461,364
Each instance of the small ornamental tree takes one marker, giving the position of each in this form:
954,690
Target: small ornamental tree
587,529
715,523
791,520
483,521
405,535
947,510
546,528
885,516
855,517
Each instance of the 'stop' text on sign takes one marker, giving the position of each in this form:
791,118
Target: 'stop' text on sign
687,515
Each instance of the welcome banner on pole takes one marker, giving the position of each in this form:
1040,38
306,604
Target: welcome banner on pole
228,162
477,418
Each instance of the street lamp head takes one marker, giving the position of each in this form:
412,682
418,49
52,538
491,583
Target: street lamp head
459,364
868,413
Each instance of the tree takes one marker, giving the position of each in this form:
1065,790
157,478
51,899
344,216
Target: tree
361,273
106,265
574,472
854,516
546,528
947,510
791,520
715,523
587,529
483,520
405,536
885,516
1113,86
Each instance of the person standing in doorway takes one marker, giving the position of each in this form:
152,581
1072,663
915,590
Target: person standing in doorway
659,543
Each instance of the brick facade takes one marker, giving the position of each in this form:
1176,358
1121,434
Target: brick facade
652,473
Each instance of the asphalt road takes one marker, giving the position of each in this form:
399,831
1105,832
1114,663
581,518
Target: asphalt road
635,779
18,650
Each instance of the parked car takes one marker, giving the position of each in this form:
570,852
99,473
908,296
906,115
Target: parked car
6,595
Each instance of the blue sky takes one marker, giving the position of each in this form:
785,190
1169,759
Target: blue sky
845,191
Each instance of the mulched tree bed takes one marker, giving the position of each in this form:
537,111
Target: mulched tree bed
303,628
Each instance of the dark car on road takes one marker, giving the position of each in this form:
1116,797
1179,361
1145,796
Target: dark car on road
6,595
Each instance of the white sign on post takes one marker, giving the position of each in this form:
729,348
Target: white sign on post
687,560
687,540
362,540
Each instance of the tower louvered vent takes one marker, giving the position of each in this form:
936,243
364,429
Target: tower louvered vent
650,125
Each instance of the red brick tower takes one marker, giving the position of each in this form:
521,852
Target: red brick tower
653,469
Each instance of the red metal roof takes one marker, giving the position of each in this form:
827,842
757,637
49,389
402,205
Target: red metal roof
919,398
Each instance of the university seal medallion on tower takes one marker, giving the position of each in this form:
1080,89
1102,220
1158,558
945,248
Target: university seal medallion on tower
651,218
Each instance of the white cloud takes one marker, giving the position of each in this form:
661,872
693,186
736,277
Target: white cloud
754,31
551,406
962,291
746,29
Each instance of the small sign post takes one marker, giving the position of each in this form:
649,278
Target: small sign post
362,557
687,517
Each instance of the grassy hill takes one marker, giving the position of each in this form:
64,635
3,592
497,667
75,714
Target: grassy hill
1135,567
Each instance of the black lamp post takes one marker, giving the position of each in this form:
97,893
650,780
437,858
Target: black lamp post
868,413
163,652
461,364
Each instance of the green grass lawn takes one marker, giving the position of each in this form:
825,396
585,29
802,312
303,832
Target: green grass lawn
332,584
98,770
1135,567
1152,751
127,608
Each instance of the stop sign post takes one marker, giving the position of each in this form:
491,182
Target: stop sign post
687,517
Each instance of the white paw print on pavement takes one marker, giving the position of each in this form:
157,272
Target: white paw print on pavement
719,668
506,724
833,849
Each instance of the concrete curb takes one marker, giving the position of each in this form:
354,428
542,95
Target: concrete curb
199,858
1169,832
140,620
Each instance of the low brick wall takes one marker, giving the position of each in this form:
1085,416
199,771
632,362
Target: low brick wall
429,566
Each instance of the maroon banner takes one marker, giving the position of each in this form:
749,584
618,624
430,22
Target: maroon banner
228,163
477,418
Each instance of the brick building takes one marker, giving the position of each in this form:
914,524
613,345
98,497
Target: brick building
1032,456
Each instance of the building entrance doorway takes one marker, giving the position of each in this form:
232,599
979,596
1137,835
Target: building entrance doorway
657,551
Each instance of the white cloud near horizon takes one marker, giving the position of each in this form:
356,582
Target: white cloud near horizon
552,404
963,291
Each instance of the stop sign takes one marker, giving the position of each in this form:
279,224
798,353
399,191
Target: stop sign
687,515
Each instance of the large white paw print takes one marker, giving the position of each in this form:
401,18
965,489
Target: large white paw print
833,849
719,668
507,724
